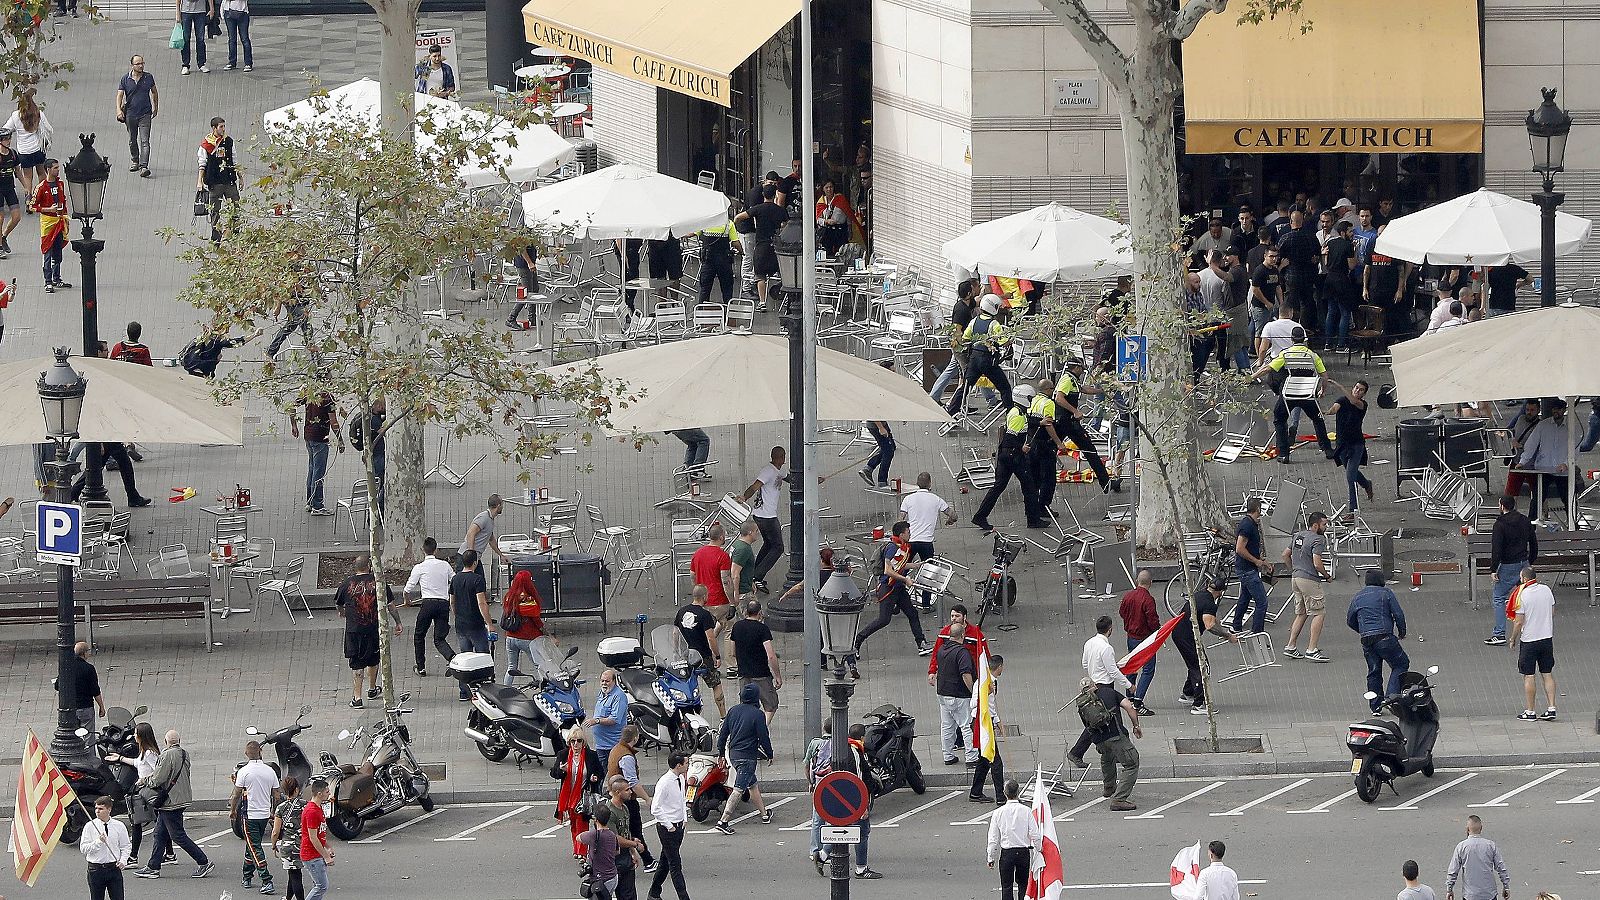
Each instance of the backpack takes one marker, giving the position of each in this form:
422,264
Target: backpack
821,758
355,433
511,618
1091,710
191,359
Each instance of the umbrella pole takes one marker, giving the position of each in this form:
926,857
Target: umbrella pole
1572,467
742,467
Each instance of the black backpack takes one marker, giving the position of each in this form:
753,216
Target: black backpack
355,430
192,359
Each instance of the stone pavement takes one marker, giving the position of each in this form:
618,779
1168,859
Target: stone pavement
266,668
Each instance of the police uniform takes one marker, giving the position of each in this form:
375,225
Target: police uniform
1009,461
1044,444
1068,426
1298,360
985,335
716,260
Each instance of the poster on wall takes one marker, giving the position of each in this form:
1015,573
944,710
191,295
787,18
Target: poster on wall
445,40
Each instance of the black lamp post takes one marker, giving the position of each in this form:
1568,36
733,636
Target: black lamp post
790,250
839,605
87,174
61,391
1548,127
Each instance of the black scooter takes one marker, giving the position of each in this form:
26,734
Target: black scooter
1384,749
291,761
111,774
890,732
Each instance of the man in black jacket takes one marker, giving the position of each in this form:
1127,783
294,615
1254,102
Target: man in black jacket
744,740
1514,544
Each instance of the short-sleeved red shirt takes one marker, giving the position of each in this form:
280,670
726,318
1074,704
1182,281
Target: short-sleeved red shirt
312,819
707,564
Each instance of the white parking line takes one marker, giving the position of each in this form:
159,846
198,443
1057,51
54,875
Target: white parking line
1240,810
547,832
211,837
895,822
378,838
1144,884
1501,800
1323,806
1412,804
1156,813
1581,798
1067,816
465,835
751,815
982,819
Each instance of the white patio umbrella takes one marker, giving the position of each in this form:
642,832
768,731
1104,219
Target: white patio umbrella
1049,243
1482,228
538,149
124,402
625,201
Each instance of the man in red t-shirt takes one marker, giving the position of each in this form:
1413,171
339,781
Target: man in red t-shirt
130,350
315,854
713,567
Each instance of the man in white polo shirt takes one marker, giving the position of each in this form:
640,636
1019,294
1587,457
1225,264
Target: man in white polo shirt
921,509
766,515
1532,609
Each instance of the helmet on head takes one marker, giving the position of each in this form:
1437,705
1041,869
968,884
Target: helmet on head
989,303
1023,393
1075,362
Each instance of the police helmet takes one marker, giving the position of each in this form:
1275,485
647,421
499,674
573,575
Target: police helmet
1023,394
989,303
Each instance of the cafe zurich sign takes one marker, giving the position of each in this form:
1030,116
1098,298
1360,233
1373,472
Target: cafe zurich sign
1240,137
633,63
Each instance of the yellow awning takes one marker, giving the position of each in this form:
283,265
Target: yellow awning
1371,76
688,46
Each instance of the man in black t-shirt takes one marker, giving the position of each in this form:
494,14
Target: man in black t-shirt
1266,291
10,206
1301,251
699,630
469,597
1339,257
757,659
357,600
768,217
1503,283
1204,605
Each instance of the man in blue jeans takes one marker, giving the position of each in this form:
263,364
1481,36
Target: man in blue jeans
192,15
1514,543
1375,614
1248,564
470,598
321,423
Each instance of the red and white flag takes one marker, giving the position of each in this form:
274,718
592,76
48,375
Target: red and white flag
43,796
1049,874
1186,873
1138,656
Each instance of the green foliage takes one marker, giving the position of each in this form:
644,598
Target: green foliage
1257,11
24,35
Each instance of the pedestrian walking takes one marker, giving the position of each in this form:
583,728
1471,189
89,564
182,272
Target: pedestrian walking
699,627
580,773
236,18
743,740
525,260
893,592
855,739
138,103
618,796
295,312
1376,616
170,782
603,847
10,202
116,453
1115,744
1202,608
610,714
817,763
192,16
623,762
469,601
144,765
256,786
1477,865
31,132
1414,889
316,854
1100,667
1249,564
1513,545
286,836
1531,609
923,510
1011,459
1140,620
107,850
218,175
757,658
953,686
742,553
50,202
711,566
321,423
670,808
766,514
1217,881
985,767
1014,835
86,696
528,617
1310,573
357,601
430,580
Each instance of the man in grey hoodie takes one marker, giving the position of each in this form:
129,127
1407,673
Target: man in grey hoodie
744,739
171,779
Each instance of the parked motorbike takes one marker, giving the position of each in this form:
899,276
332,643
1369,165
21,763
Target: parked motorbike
888,743
709,787
108,774
291,761
1383,749
675,715
388,778
528,721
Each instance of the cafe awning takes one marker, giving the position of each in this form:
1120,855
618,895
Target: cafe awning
1369,76
688,46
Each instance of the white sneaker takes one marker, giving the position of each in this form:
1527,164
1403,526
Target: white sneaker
185,71
1317,656
249,68
205,68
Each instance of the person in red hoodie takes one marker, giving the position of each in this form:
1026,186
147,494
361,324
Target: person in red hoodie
977,646
1140,620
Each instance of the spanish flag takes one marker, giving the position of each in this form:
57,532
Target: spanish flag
983,736
43,797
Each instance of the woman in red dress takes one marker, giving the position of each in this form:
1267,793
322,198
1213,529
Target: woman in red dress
581,773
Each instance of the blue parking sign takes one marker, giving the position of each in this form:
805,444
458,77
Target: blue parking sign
60,530
1133,357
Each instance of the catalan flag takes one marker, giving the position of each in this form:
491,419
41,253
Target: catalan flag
43,797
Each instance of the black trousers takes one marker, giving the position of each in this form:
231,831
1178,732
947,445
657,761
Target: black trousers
898,598
1015,865
116,451
1193,687
983,364
1071,429
716,269
1280,424
437,613
636,828
921,550
626,888
1010,463
1042,460
671,862
105,881
771,547
995,770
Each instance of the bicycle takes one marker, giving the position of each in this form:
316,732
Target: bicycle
998,583
1216,560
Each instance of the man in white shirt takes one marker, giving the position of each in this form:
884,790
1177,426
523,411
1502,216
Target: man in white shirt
256,787
1100,665
107,849
1217,881
1276,336
430,579
670,810
1013,836
1532,611
766,515
922,509
1448,314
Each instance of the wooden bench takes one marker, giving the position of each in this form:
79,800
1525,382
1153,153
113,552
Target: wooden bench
1559,551
117,600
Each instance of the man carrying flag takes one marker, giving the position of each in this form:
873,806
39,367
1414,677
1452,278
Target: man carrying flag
1049,874
1014,834
43,798
986,729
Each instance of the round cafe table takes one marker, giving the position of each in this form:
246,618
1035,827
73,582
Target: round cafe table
568,110
547,72
549,52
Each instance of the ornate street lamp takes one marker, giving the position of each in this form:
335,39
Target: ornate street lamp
1548,127
61,391
839,605
87,175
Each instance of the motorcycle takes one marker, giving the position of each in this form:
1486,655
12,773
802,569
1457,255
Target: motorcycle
111,774
1383,749
671,713
626,656
389,777
528,721
291,761
889,753
708,785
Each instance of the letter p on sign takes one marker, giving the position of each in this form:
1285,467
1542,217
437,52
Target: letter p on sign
60,528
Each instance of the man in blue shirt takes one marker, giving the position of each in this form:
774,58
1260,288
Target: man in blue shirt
1365,235
138,101
1375,614
610,714
1248,564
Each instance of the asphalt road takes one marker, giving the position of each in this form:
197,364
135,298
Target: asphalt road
1287,837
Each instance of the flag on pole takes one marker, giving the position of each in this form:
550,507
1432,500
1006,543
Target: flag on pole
982,708
1048,875
43,797
1138,656
1186,873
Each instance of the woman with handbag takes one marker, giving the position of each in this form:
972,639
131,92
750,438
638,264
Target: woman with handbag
580,773
30,138
144,737
521,622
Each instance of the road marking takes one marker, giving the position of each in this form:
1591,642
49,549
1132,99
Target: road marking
547,832
750,815
1500,800
976,820
1323,806
378,838
211,837
1144,884
464,835
1591,872
1156,813
1240,810
1067,816
895,822
1412,804
1581,798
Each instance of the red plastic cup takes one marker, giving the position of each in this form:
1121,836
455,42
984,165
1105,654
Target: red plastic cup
877,532
227,550
1416,579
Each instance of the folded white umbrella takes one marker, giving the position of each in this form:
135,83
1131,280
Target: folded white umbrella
625,201
1048,243
741,379
525,153
123,402
1482,228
